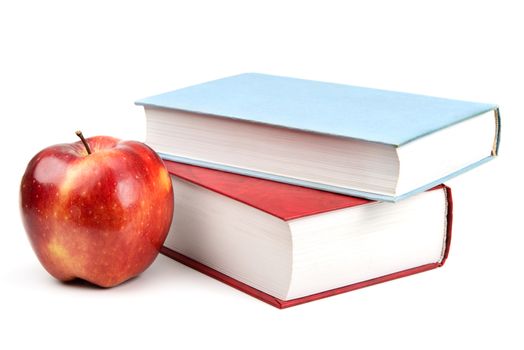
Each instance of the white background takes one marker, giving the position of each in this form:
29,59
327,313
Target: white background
65,66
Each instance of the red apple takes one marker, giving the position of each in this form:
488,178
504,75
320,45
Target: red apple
98,209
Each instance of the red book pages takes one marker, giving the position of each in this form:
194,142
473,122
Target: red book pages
286,202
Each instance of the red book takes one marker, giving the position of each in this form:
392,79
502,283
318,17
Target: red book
287,245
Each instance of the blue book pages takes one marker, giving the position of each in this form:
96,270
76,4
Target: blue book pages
387,117
322,186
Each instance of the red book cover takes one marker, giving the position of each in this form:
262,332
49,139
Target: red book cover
286,202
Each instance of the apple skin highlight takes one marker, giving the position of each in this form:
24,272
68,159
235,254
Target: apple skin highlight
101,217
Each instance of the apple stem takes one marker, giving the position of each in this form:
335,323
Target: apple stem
79,134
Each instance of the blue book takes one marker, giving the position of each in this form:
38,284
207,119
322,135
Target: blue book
370,143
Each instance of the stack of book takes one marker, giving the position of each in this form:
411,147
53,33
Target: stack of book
293,190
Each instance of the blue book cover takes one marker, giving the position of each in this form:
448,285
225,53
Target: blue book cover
380,116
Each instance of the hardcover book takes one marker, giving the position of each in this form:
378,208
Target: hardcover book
370,143
287,245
